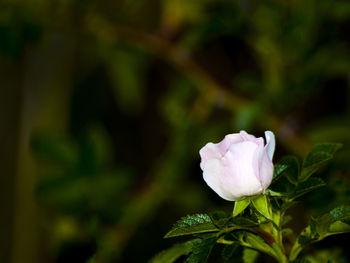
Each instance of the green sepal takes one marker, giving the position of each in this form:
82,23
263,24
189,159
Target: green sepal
192,224
261,204
320,154
240,206
273,193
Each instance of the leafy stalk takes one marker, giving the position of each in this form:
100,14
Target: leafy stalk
257,222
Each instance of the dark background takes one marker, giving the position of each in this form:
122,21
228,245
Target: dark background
104,106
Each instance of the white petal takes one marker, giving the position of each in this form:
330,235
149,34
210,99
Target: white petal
250,138
265,170
240,178
209,151
229,139
212,174
270,143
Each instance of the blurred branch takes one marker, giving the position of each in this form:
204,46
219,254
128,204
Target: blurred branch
212,91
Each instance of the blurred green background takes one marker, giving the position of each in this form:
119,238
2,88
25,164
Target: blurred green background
104,106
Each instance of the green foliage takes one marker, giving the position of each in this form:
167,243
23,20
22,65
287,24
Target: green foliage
249,255
192,224
171,254
332,223
228,251
257,242
78,179
292,168
201,252
341,214
58,151
258,222
219,218
332,255
320,154
279,168
127,78
305,187
244,221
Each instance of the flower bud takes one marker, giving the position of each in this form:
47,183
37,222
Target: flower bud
238,166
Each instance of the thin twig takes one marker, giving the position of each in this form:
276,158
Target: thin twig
211,90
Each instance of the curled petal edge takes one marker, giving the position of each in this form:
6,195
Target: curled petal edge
270,143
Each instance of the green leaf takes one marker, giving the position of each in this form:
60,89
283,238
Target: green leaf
262,205
192,224
340,220
330,255
278,171
171,254
201,251
332,223
292,168
305,187
341,213
320,154
228,251
219,218
240,206
328,147
307,239
243,221
249,255
338,227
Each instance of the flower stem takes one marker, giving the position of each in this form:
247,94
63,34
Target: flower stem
278,246
297,248
282,258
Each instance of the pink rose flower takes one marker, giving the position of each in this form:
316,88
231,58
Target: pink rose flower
238,166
